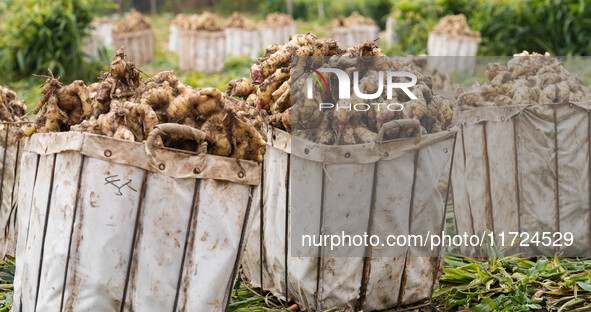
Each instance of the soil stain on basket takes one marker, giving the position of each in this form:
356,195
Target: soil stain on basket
92,200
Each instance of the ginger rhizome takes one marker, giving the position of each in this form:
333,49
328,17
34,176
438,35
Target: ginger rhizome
206,21
455,26
273,89
134,22
11,108
527,79
123,106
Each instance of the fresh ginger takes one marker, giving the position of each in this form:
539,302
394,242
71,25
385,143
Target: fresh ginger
238,20
527,79
11,109
124,107
61,107
135,22
270,89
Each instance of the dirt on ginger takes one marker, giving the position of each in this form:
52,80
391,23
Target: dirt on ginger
441,81
354,19
205,21
278,19
272,89
11,108
527,79
124,107
134,22
238,20
455,26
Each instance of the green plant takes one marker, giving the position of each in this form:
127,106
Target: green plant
37,35
415,19
7,268
310,9
559,27
516,284
507,26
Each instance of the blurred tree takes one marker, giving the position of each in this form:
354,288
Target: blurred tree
243,6
42,34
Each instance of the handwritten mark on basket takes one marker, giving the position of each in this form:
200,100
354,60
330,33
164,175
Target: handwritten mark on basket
112,179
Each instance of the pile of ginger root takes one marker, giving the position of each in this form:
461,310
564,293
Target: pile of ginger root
278,19
527,79
354,19
11,108
205,21
123,106
134,22
455,26
238,20
273,90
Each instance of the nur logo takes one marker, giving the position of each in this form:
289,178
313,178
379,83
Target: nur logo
345,83
314,73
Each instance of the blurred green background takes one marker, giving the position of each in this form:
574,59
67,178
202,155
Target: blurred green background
41,34
36,35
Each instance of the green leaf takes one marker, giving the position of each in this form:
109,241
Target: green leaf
533,306
584,286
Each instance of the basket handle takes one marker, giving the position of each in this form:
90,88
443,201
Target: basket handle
401,123
184,131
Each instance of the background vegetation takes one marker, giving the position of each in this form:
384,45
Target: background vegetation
561,27
42,34
37,35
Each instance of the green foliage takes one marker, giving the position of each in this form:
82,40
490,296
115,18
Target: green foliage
271,6
559,27
234,68
502,29
309,9
37,35
516,284
227,7
7,268
507,26
415,19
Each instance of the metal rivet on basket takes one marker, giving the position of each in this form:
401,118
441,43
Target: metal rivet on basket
241,174
306,151
445,149
161,166
347,155
386,154
503,118
108,153
196,171
570,104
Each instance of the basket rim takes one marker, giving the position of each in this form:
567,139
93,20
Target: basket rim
475,115
167,161
352,154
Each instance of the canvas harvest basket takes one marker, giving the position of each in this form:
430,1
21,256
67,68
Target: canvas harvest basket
165,234
104,32
459,51
241,41
407,172
139,45
354,35
202,51
391,36
276,34
525,168
173,38
10,152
